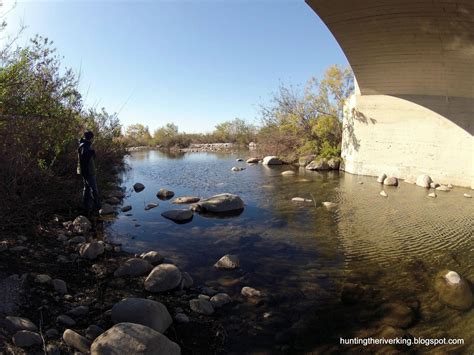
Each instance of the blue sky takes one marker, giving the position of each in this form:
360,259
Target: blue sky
194,63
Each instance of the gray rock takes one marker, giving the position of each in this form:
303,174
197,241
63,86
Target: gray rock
381,178
453,290
133,267
178,216
185,200
138,187
220,300
130,338
318,164
142,311
222,203
150,206
43,279
424,181
252,161
153,257
91,250
66,320
52,333
164,194
79,311
271,160
187,280
288,173
228,262
81,225
391,181
93,331
15,324
126,208
250,292
201,306
26,338
164,277
60,286
106,210
181,318
76,341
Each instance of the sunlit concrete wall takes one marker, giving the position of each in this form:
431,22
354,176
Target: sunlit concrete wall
413,111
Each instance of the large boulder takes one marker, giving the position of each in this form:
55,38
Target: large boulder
453,290
164,277
178,216
91,250
133,267
164,194
318,164
186,199
222,203
271,160
81,225
142,311
424,181
131,338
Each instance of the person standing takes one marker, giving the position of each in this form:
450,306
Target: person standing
86,168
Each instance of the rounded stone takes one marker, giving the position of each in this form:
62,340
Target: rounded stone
60,286
179,216
164,277
220,300
288,173
271,160
383,193
106,210
252,160
133,267
201,306
250,292
153,257
222,203
91,250
26,338
81,225
424,181
138,187
76,341
66,320
185,199
126,208
228,262
15,324
164,194
381,178
453,290
390,181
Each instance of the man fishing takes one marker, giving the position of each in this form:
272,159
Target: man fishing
86,168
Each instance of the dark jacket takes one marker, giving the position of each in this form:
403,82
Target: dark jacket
86,156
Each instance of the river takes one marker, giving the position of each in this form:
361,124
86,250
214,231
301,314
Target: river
302,254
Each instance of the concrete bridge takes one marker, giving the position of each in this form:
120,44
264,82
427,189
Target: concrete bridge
413,109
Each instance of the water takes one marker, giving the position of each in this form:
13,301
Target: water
302,254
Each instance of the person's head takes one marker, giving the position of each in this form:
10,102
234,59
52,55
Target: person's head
88,135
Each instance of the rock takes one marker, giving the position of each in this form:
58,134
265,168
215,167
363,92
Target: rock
66,320
453,290
434,185
106,209
187,280
239,159
201,306
301,199
164,194
52,333
185,199
181,318
467,196
91,250
179,216
303,161
93,331
208,291
76,341
228,262
334,163
443,188
288,173
77,240
164,277
142,311
15,324
329,205
271,160
237,168
252,161
222,203
381,178
43,279
250,292
204,297
220,299
153,257
133,267
424,181
383,193
126,208
138,187
60,286
432,194
79,311
113,201
397,315
26,338
81,225
3,246
318,164
150,206
390,181
130,338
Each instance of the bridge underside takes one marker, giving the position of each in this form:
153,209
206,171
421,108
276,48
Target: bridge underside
413,109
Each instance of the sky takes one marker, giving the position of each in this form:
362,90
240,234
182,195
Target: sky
194,63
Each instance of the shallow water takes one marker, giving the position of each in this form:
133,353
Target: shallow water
302,253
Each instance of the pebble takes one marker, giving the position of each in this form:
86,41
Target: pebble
432,195
383,193
181,318
250,292
201,306
79,311
66,320
220,300
76,341
43,279
60,286
52,333
228,262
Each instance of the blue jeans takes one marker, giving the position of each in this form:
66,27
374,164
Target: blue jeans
90,193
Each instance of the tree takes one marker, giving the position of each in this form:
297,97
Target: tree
137,135
235,131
